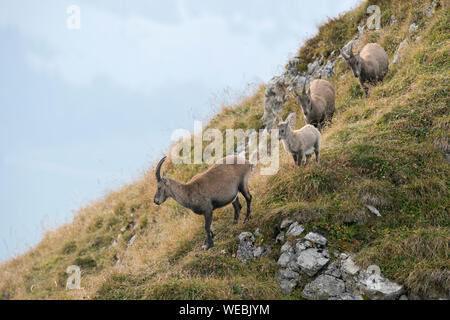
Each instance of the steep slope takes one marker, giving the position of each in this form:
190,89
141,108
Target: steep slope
390,150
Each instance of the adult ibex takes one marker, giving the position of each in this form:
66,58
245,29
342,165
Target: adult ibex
318,103
369,66
213,189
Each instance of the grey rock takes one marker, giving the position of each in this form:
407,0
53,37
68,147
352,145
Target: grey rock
275,97
346,48
261,251
293,63
132,240
327,70
398,51
344,255
247,250
284,259
402,44
287,286
349,267
374,210
324,286
286,223
316,238
287,247
288,274
246,247
413,27
280,237
347,296
287,280
376,287
295,230
312,260
403,297
301,245
334,269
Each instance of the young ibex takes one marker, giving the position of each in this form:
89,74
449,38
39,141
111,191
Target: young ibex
299,142
318,103
215,188
369,66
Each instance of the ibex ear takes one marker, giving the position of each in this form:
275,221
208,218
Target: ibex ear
164,176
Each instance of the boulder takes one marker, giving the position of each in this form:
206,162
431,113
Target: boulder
324,286
288,280
285,223
376,287
312,260
301,245
295,230
287,247
316,238
246,247
349,267
284,259
280,237
334,269
347,296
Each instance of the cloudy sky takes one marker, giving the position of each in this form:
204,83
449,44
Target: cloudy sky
83,111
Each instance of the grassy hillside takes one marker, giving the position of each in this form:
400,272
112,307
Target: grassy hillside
389,150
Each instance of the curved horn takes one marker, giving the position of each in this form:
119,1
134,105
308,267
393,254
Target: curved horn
158,169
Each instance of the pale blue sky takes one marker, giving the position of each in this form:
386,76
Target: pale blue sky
85,111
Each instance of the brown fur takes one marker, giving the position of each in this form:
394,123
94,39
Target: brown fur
210,190
369,66
318,104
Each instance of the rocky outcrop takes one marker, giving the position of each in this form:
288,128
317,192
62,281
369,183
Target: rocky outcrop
279,87
335,279
247,249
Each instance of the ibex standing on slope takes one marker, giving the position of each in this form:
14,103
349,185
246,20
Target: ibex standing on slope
213,189
301,142
318,103
369,66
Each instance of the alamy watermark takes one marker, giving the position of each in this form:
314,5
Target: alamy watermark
74,279
257,147
374,21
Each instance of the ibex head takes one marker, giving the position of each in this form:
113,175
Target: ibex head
162,192
284,126
304,100
353,61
